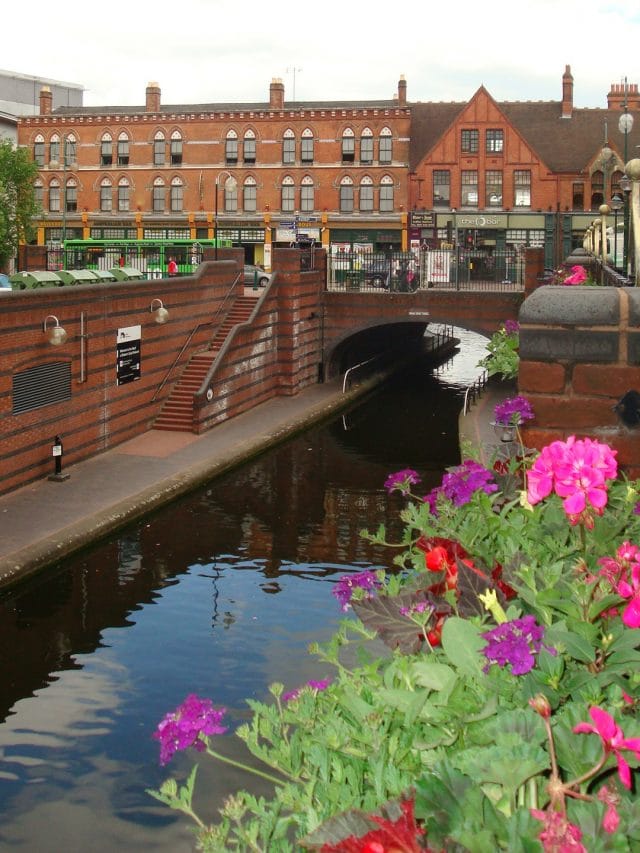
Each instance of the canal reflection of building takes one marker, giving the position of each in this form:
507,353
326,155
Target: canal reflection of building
297,510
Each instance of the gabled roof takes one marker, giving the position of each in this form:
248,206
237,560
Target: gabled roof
562,144
570,144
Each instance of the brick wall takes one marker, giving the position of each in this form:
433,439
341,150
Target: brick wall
579,354
278,354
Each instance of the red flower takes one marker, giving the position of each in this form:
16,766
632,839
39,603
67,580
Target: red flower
394,836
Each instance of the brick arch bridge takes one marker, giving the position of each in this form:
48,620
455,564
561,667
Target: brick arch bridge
358,325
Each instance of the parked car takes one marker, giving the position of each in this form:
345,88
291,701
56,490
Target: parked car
376,270
5,284
255,275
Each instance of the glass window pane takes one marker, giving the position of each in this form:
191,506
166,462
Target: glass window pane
288,150
346,199
386,143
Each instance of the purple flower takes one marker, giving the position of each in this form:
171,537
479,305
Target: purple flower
636,509
515,643
511,327
186,726
343,590
460,483
314,685
401,481
513,411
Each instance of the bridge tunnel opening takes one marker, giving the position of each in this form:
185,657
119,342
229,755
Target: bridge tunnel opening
381,347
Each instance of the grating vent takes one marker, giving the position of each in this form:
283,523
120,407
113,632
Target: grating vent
41,385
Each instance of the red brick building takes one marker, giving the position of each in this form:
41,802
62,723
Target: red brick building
158,170
383,174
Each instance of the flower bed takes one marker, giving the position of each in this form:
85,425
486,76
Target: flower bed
503,713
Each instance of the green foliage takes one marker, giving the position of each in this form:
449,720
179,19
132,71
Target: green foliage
17,199
474,745
502,357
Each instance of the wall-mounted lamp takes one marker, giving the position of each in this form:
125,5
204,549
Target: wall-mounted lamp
56,335
162,315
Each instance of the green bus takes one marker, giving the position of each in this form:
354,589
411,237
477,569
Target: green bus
150,256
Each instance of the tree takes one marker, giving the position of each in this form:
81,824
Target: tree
18,205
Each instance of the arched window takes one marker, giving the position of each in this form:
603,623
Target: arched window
176,148
38,149
159,196
54,148
385,150
123,149
70,149
307,197
346,195
366,195
386,194
249,147
106,150
54,196
231,148
158,148
106,195
38,192
306,146
348,146
123,194
250,195
288,195
230,195
176,195
288,147
71,196
366,146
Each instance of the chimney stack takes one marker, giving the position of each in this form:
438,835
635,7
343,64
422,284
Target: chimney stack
153,98
402,91
567,93
276,94
46,101
616,96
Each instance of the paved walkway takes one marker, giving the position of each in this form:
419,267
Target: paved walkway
43,522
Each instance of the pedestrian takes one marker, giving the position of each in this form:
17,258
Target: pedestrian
172,267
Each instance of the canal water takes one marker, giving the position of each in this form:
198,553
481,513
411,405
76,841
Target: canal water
218,594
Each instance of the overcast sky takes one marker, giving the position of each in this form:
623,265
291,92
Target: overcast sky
208,51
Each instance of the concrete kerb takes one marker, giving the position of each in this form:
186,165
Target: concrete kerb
75,536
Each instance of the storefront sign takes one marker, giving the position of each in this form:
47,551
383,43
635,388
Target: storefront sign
422,218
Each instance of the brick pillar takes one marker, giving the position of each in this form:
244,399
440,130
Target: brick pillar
579,355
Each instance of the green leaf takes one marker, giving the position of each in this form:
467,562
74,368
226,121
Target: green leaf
462,644
434,676
577,647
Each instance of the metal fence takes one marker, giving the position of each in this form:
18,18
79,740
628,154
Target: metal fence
445,269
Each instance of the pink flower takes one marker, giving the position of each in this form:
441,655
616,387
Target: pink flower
578,275
610,798
613,740
577,470
558,835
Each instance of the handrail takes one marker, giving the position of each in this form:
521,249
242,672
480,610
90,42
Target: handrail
353,367
190,336
475,389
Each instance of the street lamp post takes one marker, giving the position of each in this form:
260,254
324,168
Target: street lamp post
616,206
625,123
229,186
603,210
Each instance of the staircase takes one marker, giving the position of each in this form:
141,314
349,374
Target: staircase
177,412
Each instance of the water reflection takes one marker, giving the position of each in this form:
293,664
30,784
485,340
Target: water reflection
219,593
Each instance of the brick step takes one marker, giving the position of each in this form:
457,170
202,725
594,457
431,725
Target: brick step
177,411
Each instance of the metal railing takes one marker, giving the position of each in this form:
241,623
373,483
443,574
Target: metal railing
191,335
474,391
442,269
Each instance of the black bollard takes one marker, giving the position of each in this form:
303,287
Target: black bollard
56,452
